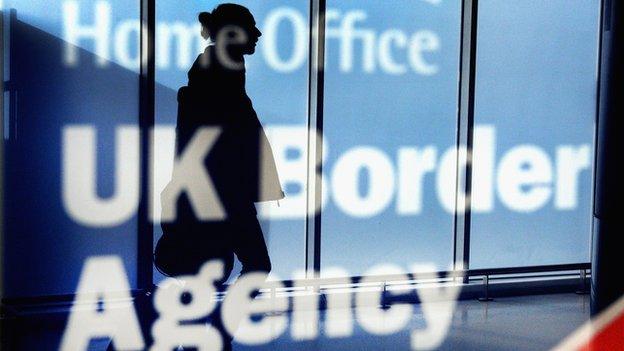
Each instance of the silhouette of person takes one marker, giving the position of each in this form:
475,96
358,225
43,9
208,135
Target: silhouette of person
240,163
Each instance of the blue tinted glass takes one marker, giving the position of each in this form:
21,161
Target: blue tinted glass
390,120
66,79
535,110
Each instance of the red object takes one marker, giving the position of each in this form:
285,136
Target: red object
605,332
609,338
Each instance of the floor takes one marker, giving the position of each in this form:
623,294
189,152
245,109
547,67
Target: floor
517,323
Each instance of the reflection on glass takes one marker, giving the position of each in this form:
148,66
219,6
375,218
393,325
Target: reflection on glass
535,107
390,119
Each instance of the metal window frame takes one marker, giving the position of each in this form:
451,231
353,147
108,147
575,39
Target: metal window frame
465,133
316,91
529,272
465,128
464,138
147,93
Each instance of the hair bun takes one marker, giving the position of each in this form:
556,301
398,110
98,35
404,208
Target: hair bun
205,18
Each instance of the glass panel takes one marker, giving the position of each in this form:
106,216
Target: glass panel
73,101
277,84
534,127
390,128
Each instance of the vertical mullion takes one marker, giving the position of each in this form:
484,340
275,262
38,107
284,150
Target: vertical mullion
601,26
146,123
8,19
2,141
465,127
315,136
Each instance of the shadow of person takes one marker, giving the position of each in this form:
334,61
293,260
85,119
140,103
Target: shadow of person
239,165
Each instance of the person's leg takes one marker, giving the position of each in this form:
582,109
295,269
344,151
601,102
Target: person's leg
247,242
249,246
227,257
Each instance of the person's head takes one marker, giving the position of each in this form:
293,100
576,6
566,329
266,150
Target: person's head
233,24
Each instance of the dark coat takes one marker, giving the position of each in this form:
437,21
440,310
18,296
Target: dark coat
240,164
